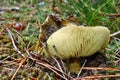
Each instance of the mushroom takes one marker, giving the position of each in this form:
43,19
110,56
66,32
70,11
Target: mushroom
72,42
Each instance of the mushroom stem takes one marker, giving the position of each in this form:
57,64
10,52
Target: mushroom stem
74,64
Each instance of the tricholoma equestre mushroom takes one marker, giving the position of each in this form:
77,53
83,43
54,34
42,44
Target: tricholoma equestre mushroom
74,41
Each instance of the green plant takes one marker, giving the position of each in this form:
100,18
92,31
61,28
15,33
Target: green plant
92,13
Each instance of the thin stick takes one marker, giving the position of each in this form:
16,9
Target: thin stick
59,66
97,77
117,53
49,78
112,15
63,65
115,33
100,68
20,64
27,52
7,58
115,39
49,67
81,68
54,69
15,47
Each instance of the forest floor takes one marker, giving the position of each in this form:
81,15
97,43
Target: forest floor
20,23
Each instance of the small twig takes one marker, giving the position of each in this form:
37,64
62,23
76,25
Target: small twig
48,76
117,52
114,34
100,68
15,47
54,69
81,68
9,64
117,56
63,65
115,39
45,65
58,65
97,77
27,52
49,67
7,58
10,69
112,15
20,64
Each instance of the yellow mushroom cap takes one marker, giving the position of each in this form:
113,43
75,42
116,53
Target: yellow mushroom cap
77,41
